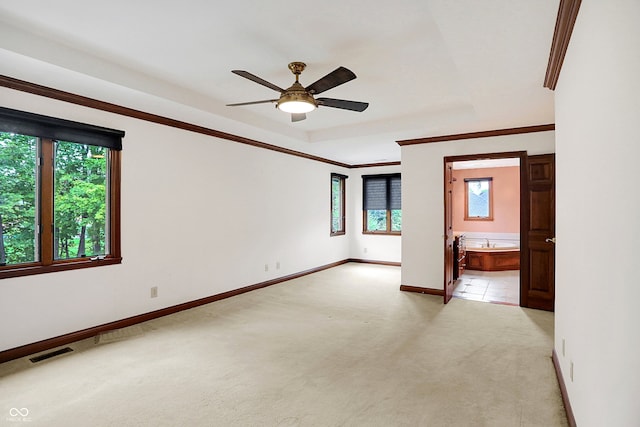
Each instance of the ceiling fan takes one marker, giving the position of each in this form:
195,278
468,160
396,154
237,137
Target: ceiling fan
299,100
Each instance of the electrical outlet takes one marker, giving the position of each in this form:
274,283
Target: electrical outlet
571,371
563,347
266,267
278,265
154,292
365,250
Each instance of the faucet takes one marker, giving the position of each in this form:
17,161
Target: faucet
487,242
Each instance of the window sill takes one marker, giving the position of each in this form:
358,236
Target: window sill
478,218
29,270
337,233
384,233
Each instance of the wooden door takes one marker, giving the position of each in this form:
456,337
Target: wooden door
448,231
537,275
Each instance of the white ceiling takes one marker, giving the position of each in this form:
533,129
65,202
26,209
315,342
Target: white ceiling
427,67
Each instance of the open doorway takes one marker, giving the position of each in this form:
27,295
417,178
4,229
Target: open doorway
537,226
486,229
456,265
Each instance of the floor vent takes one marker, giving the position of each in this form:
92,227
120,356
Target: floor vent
46,356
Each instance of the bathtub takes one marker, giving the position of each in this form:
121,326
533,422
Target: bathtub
496,248
498,258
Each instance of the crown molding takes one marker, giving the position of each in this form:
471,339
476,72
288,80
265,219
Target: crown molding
483,134
373,165
48,92
567,14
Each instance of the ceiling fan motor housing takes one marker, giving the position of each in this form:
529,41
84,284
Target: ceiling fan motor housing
296,93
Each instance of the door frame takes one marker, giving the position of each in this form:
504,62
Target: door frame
524,211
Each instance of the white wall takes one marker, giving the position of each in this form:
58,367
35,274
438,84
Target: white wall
598,148
200,216
423,198
370,247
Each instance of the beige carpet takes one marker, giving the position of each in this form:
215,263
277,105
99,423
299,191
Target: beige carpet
343,347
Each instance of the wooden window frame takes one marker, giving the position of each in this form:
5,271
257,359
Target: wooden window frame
343,190
466,199
365,218
388,230
45,189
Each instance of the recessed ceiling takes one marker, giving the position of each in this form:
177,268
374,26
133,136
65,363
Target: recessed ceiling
426,67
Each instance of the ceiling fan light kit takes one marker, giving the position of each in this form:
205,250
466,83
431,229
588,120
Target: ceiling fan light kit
299,100
296,106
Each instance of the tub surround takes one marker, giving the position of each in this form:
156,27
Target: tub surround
495,240
491,251
494,248
493,259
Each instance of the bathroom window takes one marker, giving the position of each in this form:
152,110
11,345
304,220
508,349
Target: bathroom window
337,204
382,200
478,200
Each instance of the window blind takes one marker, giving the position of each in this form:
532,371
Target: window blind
31,124
375,194
395,197
382,192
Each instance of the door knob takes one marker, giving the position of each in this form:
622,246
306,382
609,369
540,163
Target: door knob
550,240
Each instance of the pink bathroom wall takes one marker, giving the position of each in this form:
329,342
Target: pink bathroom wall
506,200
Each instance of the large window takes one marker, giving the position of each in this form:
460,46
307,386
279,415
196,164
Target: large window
337,204
478,199
59,194
382,200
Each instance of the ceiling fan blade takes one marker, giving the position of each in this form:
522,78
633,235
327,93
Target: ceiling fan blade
335,78
252,102
254,78
296,117
342,103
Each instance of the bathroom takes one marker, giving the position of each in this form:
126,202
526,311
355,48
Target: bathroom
486,224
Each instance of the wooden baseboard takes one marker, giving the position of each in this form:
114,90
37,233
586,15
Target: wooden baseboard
48,344
563,390
421,290
367,261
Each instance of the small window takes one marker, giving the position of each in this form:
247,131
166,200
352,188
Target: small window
59,194
337,204
478,199
382,200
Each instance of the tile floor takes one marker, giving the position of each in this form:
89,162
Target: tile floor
501,287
